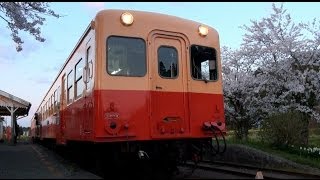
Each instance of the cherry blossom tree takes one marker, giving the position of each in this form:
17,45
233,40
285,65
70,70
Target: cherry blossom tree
288,57
276,69
25,16
242,106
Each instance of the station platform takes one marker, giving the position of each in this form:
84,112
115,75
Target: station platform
32,161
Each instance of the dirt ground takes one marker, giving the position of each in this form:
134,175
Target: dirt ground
31,161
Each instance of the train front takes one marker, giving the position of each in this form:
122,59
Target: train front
158,79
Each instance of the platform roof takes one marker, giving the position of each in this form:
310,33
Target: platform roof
10,101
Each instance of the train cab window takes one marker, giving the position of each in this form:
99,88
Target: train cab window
126,56
168,62
204,63
79,84
70,92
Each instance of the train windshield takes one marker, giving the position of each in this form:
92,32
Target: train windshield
126,56
204,63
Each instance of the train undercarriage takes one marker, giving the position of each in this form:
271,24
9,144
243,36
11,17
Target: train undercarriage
140,159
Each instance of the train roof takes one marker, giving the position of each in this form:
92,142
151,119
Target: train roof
152,15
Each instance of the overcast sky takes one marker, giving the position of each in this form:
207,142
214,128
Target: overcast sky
29,74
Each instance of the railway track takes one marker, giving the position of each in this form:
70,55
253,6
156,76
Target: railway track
245,171
206,170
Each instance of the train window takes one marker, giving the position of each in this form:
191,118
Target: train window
40,114
168,62
51,104
55,100
126,56
65,98
204,63
79,84
58,97
88,55
49,109
43,110
46,114
70,92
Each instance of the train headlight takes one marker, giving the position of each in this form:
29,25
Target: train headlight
203,31
127,18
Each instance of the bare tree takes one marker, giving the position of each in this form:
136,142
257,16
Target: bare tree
25,16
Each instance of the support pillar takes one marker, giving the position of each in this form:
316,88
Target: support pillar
14,128
13,123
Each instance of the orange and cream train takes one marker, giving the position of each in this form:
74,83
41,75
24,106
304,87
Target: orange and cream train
136,78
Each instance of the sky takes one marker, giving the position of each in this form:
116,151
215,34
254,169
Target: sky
28,74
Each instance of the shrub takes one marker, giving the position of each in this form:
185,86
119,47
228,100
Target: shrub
284,129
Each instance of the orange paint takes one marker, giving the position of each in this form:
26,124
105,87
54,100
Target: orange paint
137,117
119,108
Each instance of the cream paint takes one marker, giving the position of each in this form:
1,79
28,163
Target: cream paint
142,28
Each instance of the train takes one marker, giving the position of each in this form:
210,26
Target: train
139,85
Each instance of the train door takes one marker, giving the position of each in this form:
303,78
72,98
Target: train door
88,80
169,102
62,123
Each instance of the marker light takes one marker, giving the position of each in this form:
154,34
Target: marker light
127,18
203,30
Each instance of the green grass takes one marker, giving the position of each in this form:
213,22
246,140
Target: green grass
254,142
314,140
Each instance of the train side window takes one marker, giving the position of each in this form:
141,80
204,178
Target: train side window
55,100
203,63
40,114
167,62
52,104
58,97
79,84
43,110
50,107
46,114
65,98
89,65
47,108
126,56
48,104
70,92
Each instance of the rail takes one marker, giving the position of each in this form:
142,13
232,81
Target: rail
248,171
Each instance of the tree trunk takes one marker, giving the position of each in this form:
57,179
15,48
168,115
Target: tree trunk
242,131
305,132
